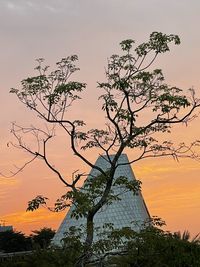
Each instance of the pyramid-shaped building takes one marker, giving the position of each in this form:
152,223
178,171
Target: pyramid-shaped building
129,211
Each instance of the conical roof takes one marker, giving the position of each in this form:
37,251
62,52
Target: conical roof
121,213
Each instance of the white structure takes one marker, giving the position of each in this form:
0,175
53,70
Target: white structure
4,228
130,211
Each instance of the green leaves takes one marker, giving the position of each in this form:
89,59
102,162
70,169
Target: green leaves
35,203
50,94
131,92
63,91
170,100
96,137
69,63
78,198
155,247
69,87
158,42
14,91
126,45
133,185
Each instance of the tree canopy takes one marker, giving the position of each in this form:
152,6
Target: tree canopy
42,237
13,241
152,247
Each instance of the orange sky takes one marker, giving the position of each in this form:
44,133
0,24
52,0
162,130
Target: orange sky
92,29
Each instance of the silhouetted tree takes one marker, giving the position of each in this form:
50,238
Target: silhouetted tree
13,241
139,108
42,237
153,247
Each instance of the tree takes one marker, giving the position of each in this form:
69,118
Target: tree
131,91
12,241
43,237
153,247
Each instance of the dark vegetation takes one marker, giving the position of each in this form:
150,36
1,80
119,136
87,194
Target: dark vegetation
152,247
13,241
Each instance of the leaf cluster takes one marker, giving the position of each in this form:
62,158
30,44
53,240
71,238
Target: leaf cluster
51,94
36,203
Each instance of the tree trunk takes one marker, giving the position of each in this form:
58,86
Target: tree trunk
90,233
87,252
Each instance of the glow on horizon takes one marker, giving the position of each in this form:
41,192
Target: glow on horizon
165,195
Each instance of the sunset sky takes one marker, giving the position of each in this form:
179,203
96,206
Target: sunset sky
92,29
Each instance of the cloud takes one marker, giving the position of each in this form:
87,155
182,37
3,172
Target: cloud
28,221
175,198
18,6
160,169
10,5
48,5
6,183
23,217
